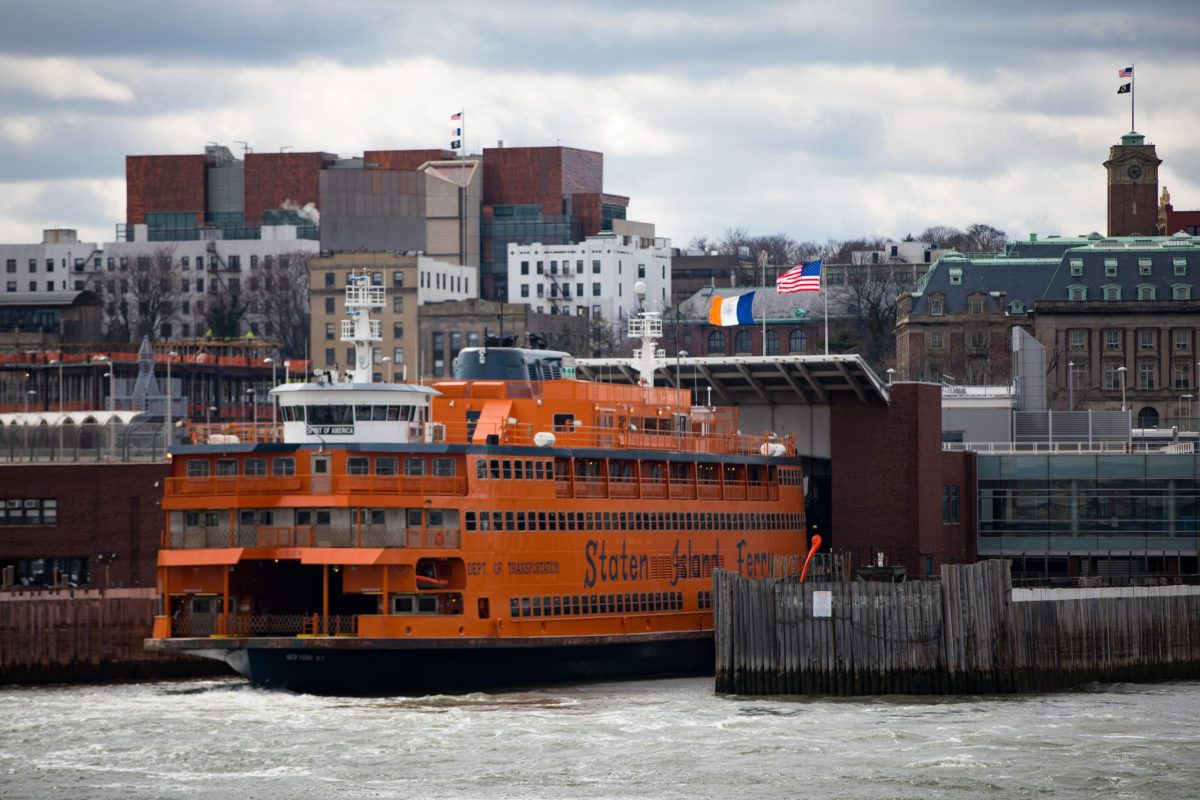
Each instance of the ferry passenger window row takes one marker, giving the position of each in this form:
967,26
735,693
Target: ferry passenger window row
578,605
281,466
704,599
626,521
509,469
791,477
415,466
193,519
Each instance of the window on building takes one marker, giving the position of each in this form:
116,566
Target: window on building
328,331
1144,266
1145,292
235,262
398,330
1181,339
1146,338
950,505
641,270
438,348
1076,267
329,305
1078,340
398,355
1146,371
975,305
524,267
797,341
1110,267
330,357
716,343
742,342
1181,291
1112,375
1179,265
1112,340
978,340
1181,374
1112,292
397,279
937,340
524,290
935,306
772,343
397,304
1077,293
956,276
595,266
330,280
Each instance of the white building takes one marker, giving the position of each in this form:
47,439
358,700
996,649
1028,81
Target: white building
596,276
203,267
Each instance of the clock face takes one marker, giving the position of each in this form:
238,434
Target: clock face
1134,171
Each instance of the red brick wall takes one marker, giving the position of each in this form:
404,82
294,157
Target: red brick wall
163,183
887,476
101,507
403,159
586,207
272,178
958,542
545,175
1121,219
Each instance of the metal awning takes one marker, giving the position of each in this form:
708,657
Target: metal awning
758,380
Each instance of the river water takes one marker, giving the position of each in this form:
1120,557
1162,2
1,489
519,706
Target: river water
650,739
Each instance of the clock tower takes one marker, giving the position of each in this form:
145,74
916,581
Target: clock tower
1132,187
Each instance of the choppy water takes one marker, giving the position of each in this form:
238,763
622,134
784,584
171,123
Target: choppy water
672,739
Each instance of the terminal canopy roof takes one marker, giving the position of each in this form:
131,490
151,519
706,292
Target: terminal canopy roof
759,380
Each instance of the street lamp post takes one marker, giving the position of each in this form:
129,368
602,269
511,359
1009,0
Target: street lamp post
29,394
112,400
1121,371
287,371
208,412
1071,384
60,401
388,360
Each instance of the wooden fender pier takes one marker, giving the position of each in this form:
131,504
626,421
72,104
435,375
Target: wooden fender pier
969,633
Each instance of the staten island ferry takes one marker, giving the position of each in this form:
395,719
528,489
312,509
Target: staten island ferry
512,526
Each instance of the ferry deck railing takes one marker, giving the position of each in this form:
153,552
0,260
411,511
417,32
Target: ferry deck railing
205,537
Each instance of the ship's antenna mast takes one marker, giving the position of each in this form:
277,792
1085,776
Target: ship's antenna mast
647,326
360,329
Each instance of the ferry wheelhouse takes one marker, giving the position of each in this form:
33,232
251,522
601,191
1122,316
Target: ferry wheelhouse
508,527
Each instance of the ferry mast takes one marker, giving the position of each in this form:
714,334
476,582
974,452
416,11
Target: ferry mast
360,330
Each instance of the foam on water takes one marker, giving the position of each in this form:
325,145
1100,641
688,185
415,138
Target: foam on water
675,739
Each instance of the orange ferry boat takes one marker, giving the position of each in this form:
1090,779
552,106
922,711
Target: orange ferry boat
509,527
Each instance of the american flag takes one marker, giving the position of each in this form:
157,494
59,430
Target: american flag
1126,72
456,115
800,278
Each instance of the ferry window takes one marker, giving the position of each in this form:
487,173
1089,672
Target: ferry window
191,519
519,470
484,611
537,606
485,521
414,466
266,517
256,466
443,467
514,606
402,604
323,517
507,465
414,517
481,470
245,518
541,523
379,413
525,607
562,520
557,602
386,465
520,520
497,521
427,605
587,521
303,516
553,521
375,516
564,423
282,467
197,468
508,521
358,465
211,519
604,603
495,469
362,413
226,467
434,518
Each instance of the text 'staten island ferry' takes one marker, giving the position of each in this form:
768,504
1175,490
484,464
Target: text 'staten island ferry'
511,526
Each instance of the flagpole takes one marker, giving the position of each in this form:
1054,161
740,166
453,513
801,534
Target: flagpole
763,263
825,291
1132,94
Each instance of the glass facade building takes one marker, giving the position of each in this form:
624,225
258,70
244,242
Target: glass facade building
1135,505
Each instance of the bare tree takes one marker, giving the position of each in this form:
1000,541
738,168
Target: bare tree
873,293
145,298
280,295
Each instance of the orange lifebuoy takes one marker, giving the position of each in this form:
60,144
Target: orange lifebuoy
439,539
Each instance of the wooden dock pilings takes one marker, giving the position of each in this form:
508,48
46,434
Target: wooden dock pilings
81,635
969,633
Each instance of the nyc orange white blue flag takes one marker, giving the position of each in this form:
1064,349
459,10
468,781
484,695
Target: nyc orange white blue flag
734,310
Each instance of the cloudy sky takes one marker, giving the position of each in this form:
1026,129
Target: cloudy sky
814,119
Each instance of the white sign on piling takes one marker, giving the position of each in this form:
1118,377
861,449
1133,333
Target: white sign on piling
822,604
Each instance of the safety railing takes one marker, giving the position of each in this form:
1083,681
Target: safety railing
312,536
419,485
247,625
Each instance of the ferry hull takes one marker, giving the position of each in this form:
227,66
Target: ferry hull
331,666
